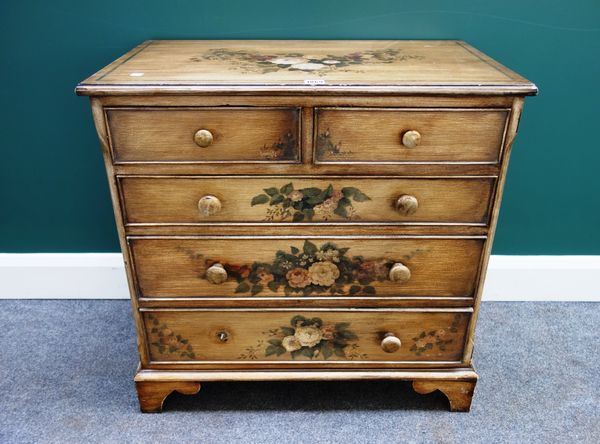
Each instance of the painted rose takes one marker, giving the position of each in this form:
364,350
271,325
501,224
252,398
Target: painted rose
291,343
242,270
323,273
296,196
308,336
337,195
373,270
298,277
265,277
328,331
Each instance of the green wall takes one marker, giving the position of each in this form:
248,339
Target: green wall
52,186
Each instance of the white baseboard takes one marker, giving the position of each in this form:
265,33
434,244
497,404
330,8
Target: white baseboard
102,276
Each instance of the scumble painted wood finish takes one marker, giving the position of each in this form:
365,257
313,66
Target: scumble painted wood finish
306,210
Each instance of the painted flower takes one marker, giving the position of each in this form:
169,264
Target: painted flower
167,332
440,333
291,343
172,341
323,273
298,277
373,270
327,331
308,66
421,343
308,336
242,270
288,61
326,209
296,196
331,62
265,277
337,195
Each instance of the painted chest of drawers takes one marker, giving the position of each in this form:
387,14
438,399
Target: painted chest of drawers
295,210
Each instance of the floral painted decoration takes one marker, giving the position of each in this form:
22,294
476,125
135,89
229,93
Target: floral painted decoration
435,338
253,61
314,339
313,269
305,204
325,146
167,342
283,149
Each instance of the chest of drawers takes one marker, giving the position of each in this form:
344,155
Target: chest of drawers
294,210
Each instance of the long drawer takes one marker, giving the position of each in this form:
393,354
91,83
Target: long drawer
199,135
387,135
295,337
179,200
298,267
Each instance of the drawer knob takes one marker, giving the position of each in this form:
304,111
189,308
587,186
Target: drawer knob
399,273
222,336
411,139
216,274
407,205
203,138
209,205
390,343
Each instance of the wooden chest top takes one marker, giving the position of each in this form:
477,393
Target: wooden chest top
212,66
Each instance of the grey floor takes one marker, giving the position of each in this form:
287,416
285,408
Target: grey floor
66,377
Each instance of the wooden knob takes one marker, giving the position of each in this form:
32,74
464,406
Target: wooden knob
411,139
390,343
209,205
203,138
399,273
407,205
216,274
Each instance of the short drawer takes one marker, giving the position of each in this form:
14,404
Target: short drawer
288,337
197,135
237,266
383,135
204,200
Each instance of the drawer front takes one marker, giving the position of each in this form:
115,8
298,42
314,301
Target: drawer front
199,135
201,200
298,267
305,337
405,136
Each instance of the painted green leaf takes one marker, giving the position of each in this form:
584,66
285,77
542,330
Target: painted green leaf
348,192
315,200
360,196
342,325
339,351
271,191
256,289
341,211
260,199
276,342
329,191
287,331
354,289
273,286
298,217
309,213
309,247
287,189
326,349
278,198
296,353
312,191
297,319
369,289
295,250
308,352
271,350
242,288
